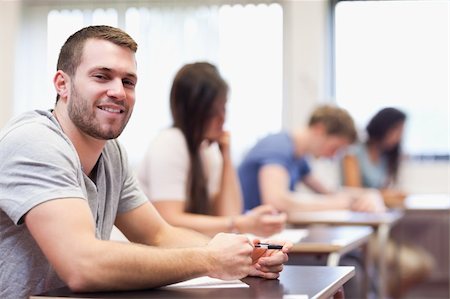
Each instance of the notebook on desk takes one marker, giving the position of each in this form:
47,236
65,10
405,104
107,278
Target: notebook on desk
207,282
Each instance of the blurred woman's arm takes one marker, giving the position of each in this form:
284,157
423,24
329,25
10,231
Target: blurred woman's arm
351,172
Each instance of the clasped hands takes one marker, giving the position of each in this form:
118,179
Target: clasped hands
235,257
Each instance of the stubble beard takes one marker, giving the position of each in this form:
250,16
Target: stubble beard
84,118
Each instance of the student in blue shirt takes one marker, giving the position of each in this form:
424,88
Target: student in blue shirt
271,170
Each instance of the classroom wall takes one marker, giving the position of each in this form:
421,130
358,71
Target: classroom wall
305,34
10,17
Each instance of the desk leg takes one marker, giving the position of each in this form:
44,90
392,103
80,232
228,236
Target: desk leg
339,294
382,236
367,264
333,259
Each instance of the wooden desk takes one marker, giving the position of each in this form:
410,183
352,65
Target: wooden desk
332,241
427,224
381,222
314,281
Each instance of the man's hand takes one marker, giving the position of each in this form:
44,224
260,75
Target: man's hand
268,263
230,256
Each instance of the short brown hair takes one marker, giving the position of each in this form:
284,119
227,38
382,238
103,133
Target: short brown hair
337,121
72,50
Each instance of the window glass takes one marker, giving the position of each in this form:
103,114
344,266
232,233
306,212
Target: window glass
396,53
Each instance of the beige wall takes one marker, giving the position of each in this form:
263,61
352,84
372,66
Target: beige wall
305,24
9,16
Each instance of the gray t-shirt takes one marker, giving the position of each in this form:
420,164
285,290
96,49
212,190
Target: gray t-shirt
39,163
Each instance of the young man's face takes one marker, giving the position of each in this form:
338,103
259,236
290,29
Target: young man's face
332,145
102,92
324,144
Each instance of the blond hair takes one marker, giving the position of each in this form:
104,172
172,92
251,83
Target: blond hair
337,121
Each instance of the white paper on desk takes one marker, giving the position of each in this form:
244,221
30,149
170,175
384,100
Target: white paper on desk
208,282
293,235
326,215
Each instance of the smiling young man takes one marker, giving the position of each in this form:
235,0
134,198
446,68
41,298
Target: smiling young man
65,181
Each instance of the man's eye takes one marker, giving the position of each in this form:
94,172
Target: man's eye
100,76
129,83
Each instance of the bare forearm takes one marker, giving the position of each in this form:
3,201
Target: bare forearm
179,237
208,225
316,185
106,266
291,202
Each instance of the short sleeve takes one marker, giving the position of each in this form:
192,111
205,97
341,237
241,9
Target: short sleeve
304,167
37,164
276,149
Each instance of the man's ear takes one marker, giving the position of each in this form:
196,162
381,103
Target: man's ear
61,81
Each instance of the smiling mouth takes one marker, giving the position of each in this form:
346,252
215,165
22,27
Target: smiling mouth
112,110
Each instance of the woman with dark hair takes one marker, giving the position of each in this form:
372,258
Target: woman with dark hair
375,163
188,172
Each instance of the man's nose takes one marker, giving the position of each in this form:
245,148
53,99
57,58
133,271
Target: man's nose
116,90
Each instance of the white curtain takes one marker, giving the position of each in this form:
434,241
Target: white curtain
245,42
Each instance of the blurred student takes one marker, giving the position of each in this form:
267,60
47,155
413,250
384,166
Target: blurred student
188,173
65,181
271,170
375,162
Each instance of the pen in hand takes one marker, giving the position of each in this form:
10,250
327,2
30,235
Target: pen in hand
268,246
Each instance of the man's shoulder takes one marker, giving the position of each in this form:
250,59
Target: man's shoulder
30,125
277,143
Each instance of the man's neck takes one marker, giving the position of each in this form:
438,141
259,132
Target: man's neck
88,148
300,138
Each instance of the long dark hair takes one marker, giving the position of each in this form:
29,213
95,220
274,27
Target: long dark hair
377,129
195,89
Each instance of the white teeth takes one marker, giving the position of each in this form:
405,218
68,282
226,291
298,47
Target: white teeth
110,109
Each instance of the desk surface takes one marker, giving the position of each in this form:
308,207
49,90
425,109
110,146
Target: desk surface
427,202
345,218
315,281
328,239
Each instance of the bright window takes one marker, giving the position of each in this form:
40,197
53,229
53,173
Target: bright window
396,53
